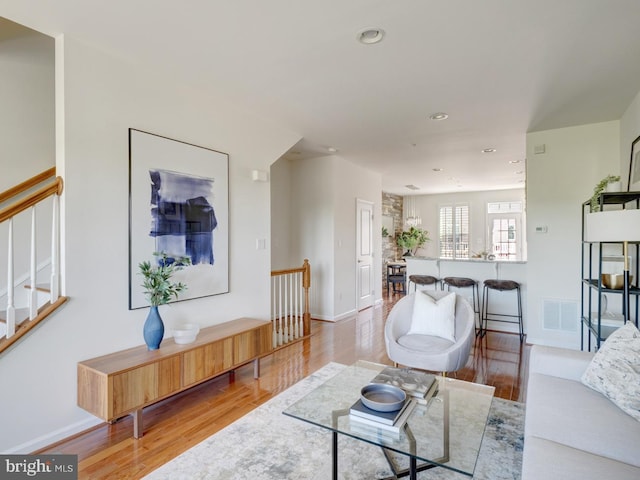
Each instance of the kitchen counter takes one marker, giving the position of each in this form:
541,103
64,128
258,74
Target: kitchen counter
479,270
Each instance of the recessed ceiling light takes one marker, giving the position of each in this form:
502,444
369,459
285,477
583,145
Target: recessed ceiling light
519,172
515,161
332,149
489,150
369,36
438,169
438,116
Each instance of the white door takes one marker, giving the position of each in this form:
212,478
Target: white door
364,255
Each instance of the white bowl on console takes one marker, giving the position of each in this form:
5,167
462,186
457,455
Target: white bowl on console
186,333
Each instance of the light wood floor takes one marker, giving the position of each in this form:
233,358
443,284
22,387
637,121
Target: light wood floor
177,424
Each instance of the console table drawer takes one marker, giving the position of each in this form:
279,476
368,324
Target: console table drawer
204,362
251,344
144,385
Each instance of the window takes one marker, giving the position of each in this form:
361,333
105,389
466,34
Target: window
454,231
505,229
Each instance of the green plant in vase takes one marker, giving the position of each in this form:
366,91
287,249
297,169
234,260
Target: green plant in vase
159,290
412,239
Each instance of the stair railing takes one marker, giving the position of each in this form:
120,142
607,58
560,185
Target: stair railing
24,196
290,313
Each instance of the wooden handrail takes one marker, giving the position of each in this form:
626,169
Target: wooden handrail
27,184
17,199
287,271
54,188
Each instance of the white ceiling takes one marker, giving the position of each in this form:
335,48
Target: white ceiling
499,68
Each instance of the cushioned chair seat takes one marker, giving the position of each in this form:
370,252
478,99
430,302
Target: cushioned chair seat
423,279
425,342
501,285
460,282
428,352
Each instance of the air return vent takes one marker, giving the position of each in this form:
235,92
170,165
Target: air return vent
560,315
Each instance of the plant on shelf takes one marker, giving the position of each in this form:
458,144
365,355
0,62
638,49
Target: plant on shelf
385,232
600,188
411,240
159,290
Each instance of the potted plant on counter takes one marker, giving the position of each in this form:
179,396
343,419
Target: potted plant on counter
159,290
411,240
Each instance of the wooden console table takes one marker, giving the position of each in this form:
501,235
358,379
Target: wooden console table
125,382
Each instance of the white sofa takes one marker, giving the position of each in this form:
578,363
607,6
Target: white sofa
572,431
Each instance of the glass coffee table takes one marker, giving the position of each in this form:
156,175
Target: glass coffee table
445,432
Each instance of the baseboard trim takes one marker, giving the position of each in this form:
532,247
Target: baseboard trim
53,437
342,316
337,318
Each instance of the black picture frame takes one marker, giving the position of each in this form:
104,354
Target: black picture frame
158,164
633,185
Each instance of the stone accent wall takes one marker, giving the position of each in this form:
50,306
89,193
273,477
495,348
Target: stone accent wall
391,207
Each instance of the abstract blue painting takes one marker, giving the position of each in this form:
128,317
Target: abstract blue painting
178,206
182,218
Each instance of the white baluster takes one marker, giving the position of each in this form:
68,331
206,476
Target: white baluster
33,292
55,251
274,317
285,309
280,310
11,309
294,305
294,329
300,304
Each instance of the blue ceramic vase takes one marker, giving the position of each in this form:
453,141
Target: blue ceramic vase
153,330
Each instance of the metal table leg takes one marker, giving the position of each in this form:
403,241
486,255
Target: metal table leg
334,456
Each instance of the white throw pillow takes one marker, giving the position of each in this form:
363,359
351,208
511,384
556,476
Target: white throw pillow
434,317
614,370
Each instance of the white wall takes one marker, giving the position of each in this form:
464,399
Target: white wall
102,98
428,206
558,182
323,224
281,204
27,138
27,132
352,182
312,208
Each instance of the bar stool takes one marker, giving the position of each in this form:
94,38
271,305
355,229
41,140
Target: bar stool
396,277
502,286
464,282
423,280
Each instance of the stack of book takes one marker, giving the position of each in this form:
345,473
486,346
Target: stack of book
419,385
367,420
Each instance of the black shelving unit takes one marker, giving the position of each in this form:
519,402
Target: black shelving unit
591,285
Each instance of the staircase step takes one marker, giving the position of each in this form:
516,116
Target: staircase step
22,314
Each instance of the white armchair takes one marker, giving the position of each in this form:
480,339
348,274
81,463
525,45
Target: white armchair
428,352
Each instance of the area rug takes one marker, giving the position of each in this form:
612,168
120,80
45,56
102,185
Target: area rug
267,445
